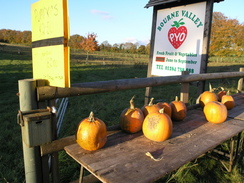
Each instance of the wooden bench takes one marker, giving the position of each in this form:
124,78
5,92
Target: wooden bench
124,159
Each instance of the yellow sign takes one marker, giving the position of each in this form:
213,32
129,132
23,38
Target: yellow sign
50,34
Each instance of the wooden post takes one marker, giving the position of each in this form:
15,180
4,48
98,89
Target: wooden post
240,82
32,158
184,94
54,156
45,164
149,68
206,40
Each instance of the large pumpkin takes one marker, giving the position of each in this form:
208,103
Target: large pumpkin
131,118
179,109
215,112
207,96
167,108
150,108
91,133
228,101
157,126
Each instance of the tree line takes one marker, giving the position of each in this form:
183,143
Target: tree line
227,36
13,36
227,39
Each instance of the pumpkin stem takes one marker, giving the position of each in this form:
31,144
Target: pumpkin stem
210,87
228,92
132,105
91,117
176,98
151,102
161,110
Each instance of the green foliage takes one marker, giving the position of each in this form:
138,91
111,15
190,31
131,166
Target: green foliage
75,41
227,38
226,59
13,36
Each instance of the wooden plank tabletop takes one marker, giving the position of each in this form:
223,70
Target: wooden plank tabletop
124,159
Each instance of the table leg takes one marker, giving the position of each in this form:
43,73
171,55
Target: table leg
81,174
234,154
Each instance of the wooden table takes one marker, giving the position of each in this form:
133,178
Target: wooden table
124,159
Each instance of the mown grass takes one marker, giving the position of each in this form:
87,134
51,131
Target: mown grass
17,65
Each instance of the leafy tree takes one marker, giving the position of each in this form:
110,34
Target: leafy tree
115,48
130,47
75,41
89,44
134,47
26,37
227,38
141,49
1,37
13,36
121,46
105,46
148,48
18,37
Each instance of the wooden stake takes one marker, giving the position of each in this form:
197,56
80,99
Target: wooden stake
240,82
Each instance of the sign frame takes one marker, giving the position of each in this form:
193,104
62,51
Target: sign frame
178,40
205,43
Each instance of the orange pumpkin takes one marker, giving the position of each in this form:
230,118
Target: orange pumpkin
166,106
207,96
221,93
157,126
179,109
150,108
131,118
91,133
215,112
228,101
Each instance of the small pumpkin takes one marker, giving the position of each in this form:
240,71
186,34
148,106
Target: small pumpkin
228,101
157,126
207,96
91,133
215,112
166,106
150,108
131,118
179,109
221,93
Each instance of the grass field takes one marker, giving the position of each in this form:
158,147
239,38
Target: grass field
16,64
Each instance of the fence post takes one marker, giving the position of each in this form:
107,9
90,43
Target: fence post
184,94
240,82
32,157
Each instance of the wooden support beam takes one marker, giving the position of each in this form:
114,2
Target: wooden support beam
59,144
48,92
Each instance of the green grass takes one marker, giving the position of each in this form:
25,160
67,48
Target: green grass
106,106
